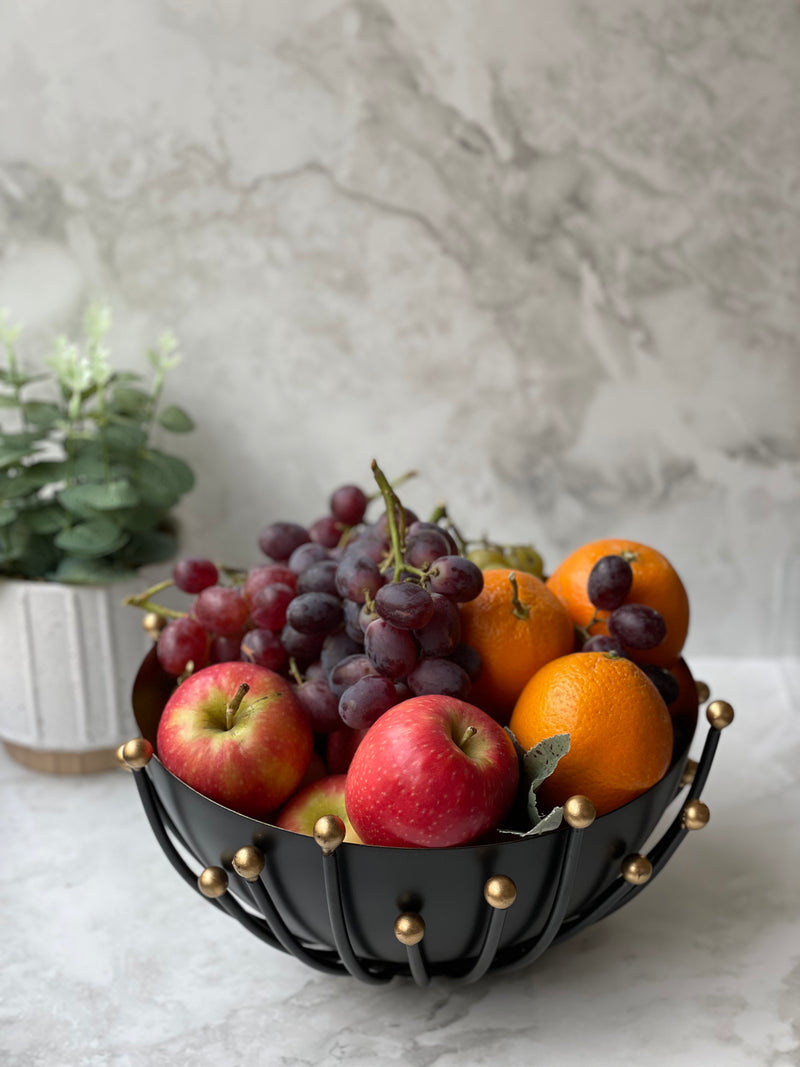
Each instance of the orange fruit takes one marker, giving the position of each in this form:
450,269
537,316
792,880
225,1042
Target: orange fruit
620,729
655,583
513,642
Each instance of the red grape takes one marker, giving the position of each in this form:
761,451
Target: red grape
180,642
220,609
267,574
264,648
326,531
319,703
268,606
194,574
348,505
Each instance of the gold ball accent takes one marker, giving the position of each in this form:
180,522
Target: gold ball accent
637,869
579,812
689,771
695,815
720,714
248,862
500,892
329,833
409,928
136,753
703,692
213,882
153,624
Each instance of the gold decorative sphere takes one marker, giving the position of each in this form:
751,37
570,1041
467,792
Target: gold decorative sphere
689,771
213,882
329,833
153,624
248,862
409,928
695,815
703,692
136,753
637,869
720,714
500,892
121,758
579,812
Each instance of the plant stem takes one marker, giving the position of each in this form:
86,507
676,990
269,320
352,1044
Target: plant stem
522,611
468,733
294,670
391,501
233,706
144,601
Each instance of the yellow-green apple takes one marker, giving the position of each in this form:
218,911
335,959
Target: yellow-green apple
236,733
432,772
323,797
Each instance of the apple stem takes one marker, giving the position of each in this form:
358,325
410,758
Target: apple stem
522,611
233,706
468,733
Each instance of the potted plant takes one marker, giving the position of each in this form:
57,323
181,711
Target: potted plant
85,502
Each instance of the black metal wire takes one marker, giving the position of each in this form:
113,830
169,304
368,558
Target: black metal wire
491,939
417,966
341,938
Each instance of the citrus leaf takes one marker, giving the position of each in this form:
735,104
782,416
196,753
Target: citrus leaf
97,537
175,419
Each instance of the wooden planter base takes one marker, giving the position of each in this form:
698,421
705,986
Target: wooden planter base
54,762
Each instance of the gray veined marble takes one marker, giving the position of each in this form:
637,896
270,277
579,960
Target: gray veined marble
546,253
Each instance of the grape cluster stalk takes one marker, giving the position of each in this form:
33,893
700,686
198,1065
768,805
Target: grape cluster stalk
358,615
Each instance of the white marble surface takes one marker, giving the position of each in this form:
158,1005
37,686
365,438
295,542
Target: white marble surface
109,961
545,251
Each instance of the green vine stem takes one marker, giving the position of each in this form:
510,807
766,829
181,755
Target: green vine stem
396,519
146,603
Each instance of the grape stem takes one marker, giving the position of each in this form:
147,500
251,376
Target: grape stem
522,611
396,519
294,670
144,601
234,705
441,512
585,631
398,481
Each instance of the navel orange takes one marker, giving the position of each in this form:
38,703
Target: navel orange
655,584
620,729
515,633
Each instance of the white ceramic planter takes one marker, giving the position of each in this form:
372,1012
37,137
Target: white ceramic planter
68,658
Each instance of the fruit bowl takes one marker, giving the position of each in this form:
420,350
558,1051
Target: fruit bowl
376,912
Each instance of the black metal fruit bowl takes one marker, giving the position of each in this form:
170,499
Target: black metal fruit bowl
376,912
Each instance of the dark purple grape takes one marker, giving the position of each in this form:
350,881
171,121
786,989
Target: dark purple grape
326,531
220,610
352,621
382,522
356,576
348,504
315,670
348,671
194,574
441,635
306,554
664,681
180,642
366,615
280,539
369,543
605,643
335,647
319,703
637,626
610,581
264,648
455,577
225,648
363,703
404,604
417,527
268,606
304,648
320,577
468,659
315,613
439,676
425,545
392,651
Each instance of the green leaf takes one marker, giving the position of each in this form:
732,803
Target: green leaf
540,761
41,414
175,419
73,498
7,514
140,518
537,764
29,480
124,438
47,519
128,400
102,496
21,440
150,546
9,402
10,456
79,571
39,558
14,540
97,537
551,821
163,480
173,469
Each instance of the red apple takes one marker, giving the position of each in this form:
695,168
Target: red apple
432,772
236,733
323,797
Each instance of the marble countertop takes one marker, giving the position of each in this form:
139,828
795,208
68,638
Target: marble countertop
109,960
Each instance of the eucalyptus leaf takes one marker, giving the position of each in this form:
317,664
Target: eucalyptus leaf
42,414
124,438
74,570
39,558
551,821
11,456
150,546
175,419
47,519
540,761
29,480
21,440
103,496
14,540
141,518
130,401
97,537
172,468
7,515
73,499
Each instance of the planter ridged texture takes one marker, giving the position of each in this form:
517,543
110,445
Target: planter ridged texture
68,658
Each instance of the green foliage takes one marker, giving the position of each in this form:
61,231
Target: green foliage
84,496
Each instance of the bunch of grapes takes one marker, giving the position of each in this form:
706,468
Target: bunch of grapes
632,627
360,615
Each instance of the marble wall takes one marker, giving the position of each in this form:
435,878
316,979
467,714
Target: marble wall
544,251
